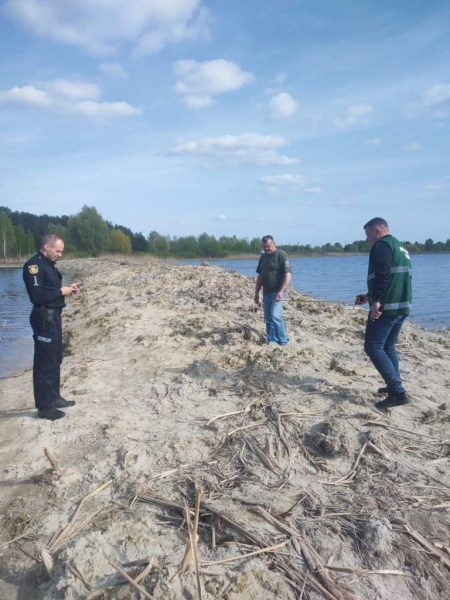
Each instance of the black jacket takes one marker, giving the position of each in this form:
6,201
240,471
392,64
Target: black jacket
43,282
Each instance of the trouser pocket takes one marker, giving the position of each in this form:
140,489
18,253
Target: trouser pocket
38,318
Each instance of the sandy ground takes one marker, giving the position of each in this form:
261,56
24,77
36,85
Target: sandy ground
178,395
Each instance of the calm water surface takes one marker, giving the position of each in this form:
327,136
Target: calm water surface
16,343
327,278
341,278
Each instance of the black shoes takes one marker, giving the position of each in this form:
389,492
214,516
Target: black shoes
383,390
51,413
63,403
393,400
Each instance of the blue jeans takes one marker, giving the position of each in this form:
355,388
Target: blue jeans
273,319
379,344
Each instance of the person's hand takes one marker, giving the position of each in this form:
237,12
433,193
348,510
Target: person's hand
75,287
67,290
361,299
279,297
257,302
375,312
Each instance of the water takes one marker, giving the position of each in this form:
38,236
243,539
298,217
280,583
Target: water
16,343
327,278
341,278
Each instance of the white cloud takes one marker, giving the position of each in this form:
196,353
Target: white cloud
198,101
67,96
357,114
221,218
282,106
436,95
292,184
72,89
412,146
174,32
433,187
25,97
248,148
101,26
374,142
114,70
199,82
288,179
104,110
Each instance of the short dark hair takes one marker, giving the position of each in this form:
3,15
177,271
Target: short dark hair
376,222
50,239
266,238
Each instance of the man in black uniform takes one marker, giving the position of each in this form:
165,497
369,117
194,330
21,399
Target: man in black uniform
43,282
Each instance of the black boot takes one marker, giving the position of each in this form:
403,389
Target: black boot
383,390
63,403
392,400
51,413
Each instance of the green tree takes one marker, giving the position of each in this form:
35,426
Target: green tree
89,231
161,245
429,244
255,245
21,241
120,242
7,236
210,247
31,244
188,247
412,248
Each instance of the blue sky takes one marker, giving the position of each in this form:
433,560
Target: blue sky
300,119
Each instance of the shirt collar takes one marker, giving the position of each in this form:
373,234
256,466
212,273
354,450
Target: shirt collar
50,262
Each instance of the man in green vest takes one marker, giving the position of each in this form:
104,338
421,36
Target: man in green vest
389,296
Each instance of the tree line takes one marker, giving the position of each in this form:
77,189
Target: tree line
88,234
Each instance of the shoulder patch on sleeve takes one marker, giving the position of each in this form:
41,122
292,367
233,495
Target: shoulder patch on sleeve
33,269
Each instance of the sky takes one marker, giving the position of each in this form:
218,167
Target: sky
297,118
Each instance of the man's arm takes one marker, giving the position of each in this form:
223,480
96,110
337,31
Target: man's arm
39,294
258,289
286,282
382,260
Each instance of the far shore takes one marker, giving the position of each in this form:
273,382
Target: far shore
152,257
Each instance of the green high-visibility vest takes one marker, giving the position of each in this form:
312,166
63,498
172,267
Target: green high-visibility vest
398,298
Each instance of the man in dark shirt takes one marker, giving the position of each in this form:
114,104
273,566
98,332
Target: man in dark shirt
389,296
274,275
43,282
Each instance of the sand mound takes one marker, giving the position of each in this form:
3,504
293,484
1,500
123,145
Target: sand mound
184,415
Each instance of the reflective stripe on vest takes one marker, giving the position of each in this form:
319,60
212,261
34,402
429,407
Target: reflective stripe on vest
396,305
393,271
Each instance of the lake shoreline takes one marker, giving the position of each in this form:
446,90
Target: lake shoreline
249,256
176,392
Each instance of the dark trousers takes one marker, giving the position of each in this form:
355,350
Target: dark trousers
379,344
47,335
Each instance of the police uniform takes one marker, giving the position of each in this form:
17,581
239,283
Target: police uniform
43,282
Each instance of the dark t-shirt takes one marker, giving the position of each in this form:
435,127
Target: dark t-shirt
272,268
